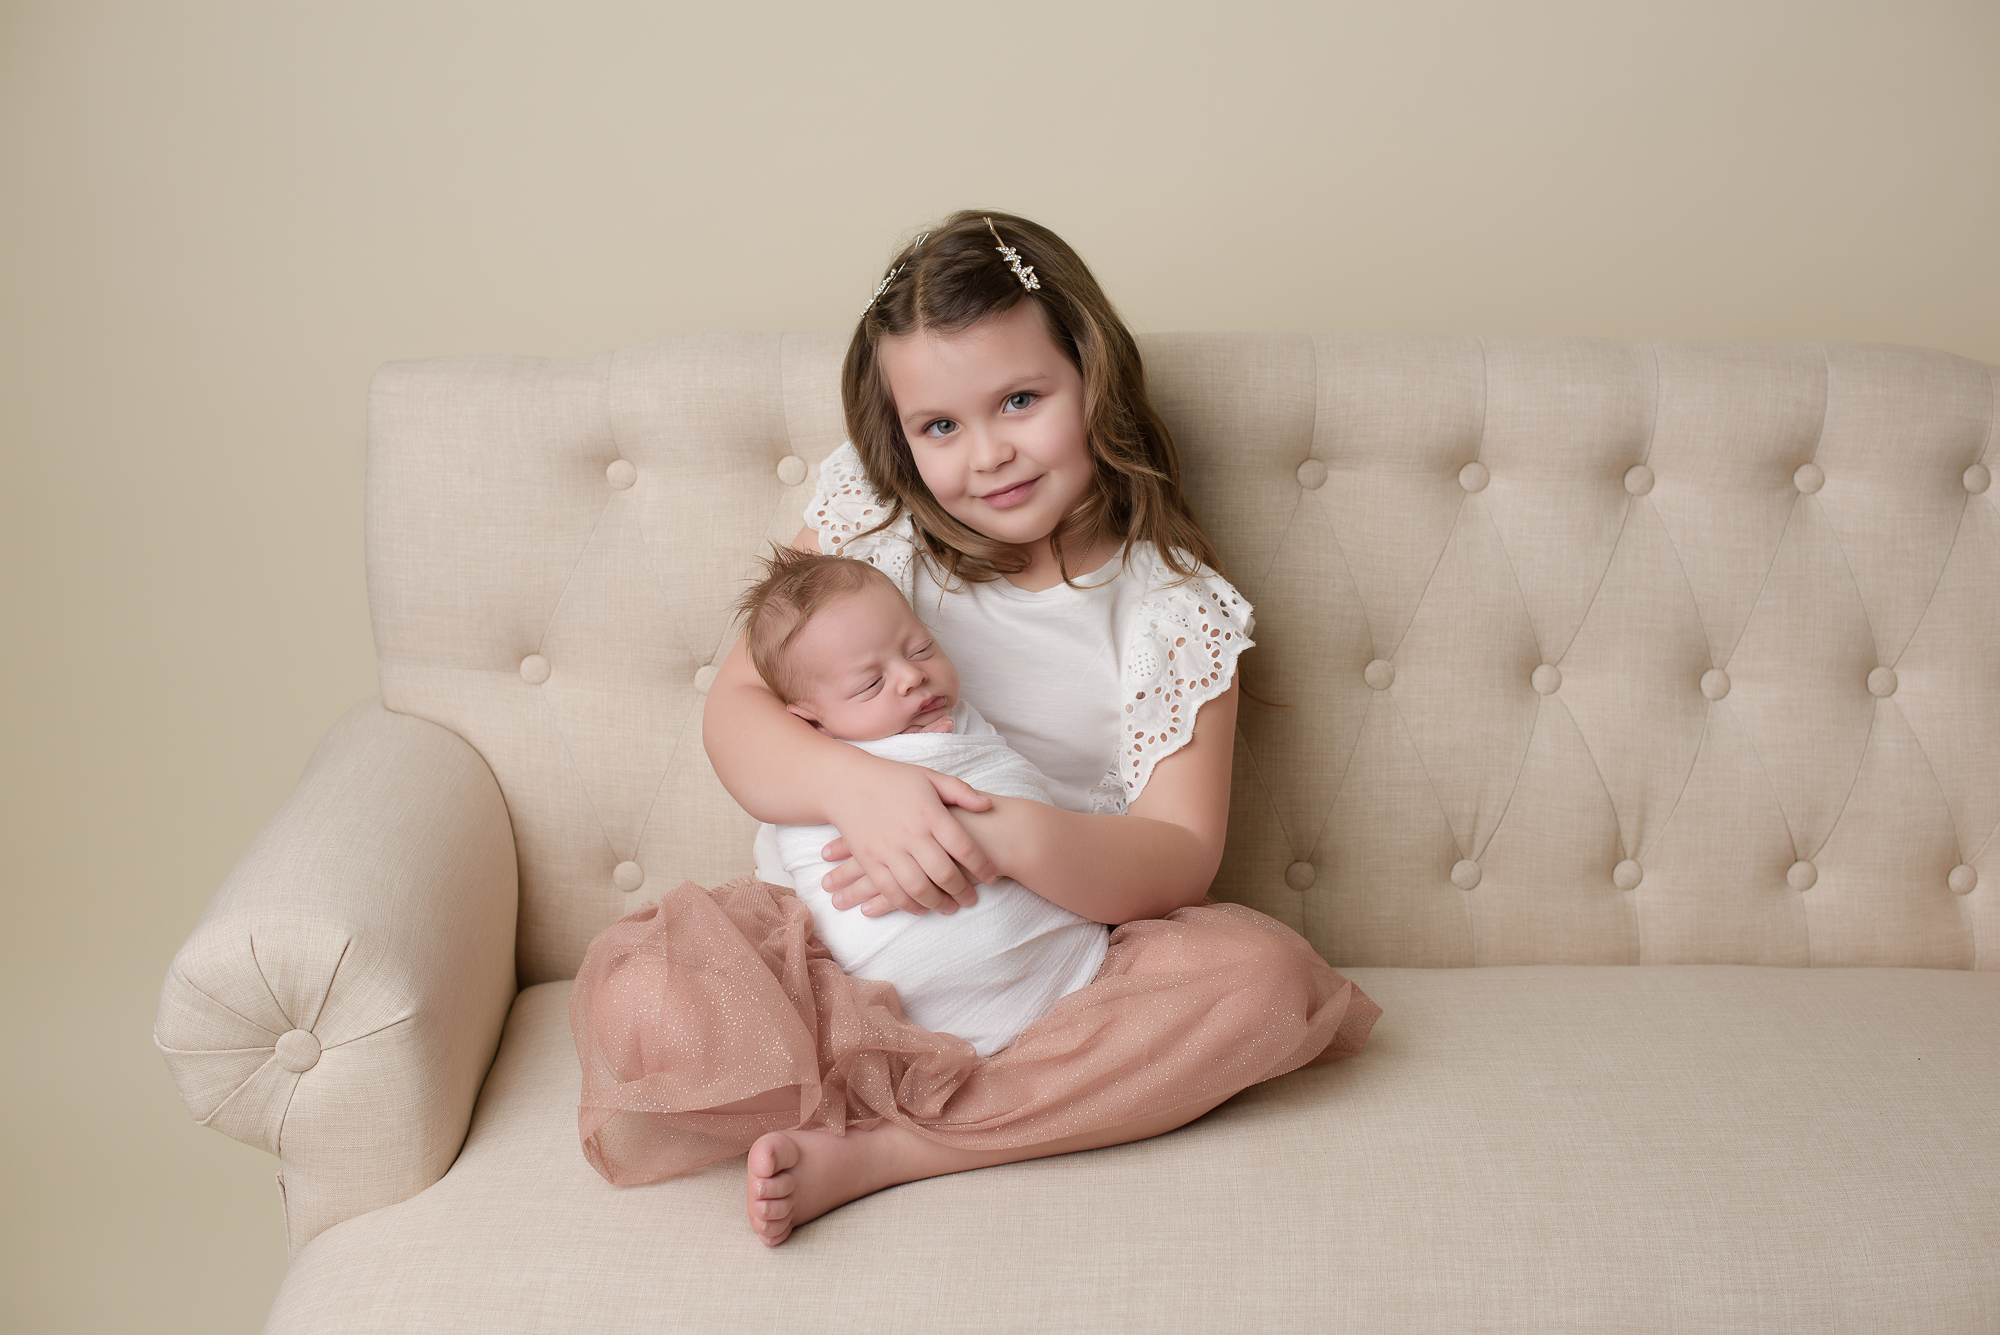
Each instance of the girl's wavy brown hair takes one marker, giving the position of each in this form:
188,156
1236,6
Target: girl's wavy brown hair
951,280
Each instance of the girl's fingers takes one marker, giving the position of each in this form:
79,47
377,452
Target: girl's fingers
835,852
917,883
888,884
947,876
966,852
877,906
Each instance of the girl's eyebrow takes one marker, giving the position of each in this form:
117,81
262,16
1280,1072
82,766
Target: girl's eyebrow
1007,390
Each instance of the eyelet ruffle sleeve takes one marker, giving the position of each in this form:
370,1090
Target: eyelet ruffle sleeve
1181,653
845,506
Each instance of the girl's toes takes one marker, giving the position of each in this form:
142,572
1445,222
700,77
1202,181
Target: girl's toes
776,1188
773,1154
774,1210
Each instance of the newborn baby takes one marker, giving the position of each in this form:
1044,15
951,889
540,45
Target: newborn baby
834,639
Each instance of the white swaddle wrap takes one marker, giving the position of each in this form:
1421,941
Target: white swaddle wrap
983,973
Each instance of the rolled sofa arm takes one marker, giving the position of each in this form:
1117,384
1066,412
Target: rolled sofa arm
341,998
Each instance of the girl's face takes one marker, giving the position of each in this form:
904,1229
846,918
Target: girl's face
994,417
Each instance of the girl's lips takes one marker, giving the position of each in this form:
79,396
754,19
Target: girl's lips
1011,496
930,703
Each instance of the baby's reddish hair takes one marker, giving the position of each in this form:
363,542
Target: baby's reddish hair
776,608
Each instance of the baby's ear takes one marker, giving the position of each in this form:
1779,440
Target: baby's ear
802,712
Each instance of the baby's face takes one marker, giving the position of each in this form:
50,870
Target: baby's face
871,669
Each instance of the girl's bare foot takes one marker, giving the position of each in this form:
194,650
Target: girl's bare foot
797,1176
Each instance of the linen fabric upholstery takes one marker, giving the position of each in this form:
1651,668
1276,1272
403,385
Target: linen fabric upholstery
1541,1150
343,994
1624,603
1572,654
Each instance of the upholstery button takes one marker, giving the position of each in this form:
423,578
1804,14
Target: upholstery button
791,470
704,677
621,474
628,876
1978,478
1638,479
1300,876
1882,682
298,1050
1809,478
534,669
1546,679
1380,674
1474,477
1802,875
1465,873
1627,875
1715,683
1312,475
1964,879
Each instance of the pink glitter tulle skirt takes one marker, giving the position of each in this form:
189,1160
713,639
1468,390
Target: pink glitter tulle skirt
712,998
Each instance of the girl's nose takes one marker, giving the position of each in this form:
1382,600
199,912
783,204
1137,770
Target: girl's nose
990,450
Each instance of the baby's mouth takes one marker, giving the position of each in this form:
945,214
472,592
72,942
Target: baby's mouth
931,704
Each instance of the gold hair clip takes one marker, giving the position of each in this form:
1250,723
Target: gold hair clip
1026,273
892,276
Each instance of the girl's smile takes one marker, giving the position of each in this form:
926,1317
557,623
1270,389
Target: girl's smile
1008,497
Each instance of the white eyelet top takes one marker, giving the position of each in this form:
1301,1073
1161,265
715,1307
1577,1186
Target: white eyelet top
1095,682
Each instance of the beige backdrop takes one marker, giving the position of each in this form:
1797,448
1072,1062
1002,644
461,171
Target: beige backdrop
216,219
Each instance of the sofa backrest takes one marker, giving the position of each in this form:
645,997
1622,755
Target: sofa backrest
1575,651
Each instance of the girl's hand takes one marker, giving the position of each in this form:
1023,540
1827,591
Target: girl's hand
901,848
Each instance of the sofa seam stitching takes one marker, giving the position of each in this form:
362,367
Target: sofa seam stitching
1527,745
1445,816
404,1018
1458,515
1340,781
1298,500
569,578
265,979
319,1010
576,772
200,992
1332,531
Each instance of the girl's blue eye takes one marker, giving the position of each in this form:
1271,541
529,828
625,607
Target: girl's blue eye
1022,401
944,426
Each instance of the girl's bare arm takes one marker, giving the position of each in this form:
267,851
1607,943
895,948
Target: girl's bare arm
1160,856
892,817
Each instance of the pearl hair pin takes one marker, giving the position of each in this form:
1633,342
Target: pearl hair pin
892,275
1026,273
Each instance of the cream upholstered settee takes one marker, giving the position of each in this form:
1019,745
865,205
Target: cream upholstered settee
1660,682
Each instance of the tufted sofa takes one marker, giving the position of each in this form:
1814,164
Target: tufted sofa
1660,682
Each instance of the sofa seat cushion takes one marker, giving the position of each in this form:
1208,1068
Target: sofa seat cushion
1535,1149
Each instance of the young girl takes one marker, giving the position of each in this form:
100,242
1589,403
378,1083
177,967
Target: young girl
1009,473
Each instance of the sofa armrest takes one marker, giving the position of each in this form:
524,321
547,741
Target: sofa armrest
341,998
